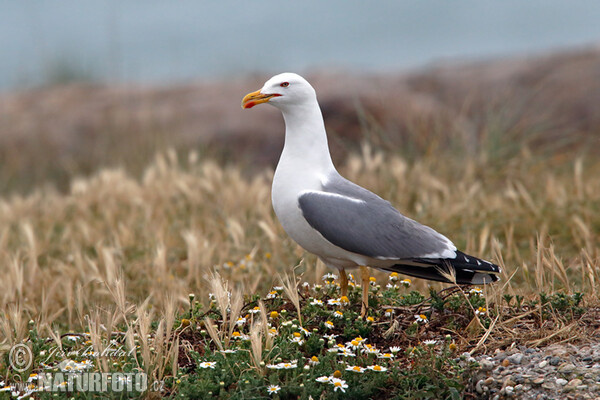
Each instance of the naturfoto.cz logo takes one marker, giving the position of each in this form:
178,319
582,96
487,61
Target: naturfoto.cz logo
89,382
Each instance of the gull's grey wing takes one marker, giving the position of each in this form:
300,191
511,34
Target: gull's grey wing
359,221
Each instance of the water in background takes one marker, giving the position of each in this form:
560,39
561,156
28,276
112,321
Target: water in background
156,41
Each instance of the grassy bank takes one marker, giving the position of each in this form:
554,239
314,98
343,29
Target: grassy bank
116,258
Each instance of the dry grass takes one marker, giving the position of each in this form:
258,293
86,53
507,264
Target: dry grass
118,256
115,241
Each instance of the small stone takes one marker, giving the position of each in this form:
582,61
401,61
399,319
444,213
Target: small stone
575,382
519,388
554,361
566,368
509,390
486,365
479,386
505,363
538,381
489,381
509,382
548,385
543,364
515,358
561,381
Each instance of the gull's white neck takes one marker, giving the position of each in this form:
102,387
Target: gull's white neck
305,139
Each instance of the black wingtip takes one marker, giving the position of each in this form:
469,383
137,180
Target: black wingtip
463,269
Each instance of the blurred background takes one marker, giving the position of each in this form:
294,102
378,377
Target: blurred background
85,85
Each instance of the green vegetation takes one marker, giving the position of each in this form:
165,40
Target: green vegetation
110,261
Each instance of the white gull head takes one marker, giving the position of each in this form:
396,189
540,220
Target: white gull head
283,91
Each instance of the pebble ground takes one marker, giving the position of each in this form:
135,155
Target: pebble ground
555,372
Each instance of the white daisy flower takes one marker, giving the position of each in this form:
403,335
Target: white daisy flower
272,389
355,368
421,318
377,368
329,276
208,364
394,349
298,340
323,379
338,384
346,353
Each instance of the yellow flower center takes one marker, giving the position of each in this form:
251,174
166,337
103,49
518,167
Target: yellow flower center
274,314
337,374
296,334
314,359
377,368
236,334
372,279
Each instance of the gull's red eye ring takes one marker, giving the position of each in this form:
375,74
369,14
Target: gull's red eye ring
285,84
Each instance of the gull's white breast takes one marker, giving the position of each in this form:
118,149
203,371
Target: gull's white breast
288,184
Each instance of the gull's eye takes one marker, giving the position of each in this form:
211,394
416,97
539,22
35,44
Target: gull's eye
285,84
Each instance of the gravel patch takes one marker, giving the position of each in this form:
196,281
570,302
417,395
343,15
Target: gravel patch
554,372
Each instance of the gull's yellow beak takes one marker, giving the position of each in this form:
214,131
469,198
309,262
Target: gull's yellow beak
254,98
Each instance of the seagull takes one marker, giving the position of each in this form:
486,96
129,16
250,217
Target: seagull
344,224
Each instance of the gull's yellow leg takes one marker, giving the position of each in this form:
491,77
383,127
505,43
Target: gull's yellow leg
364,275
343,282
